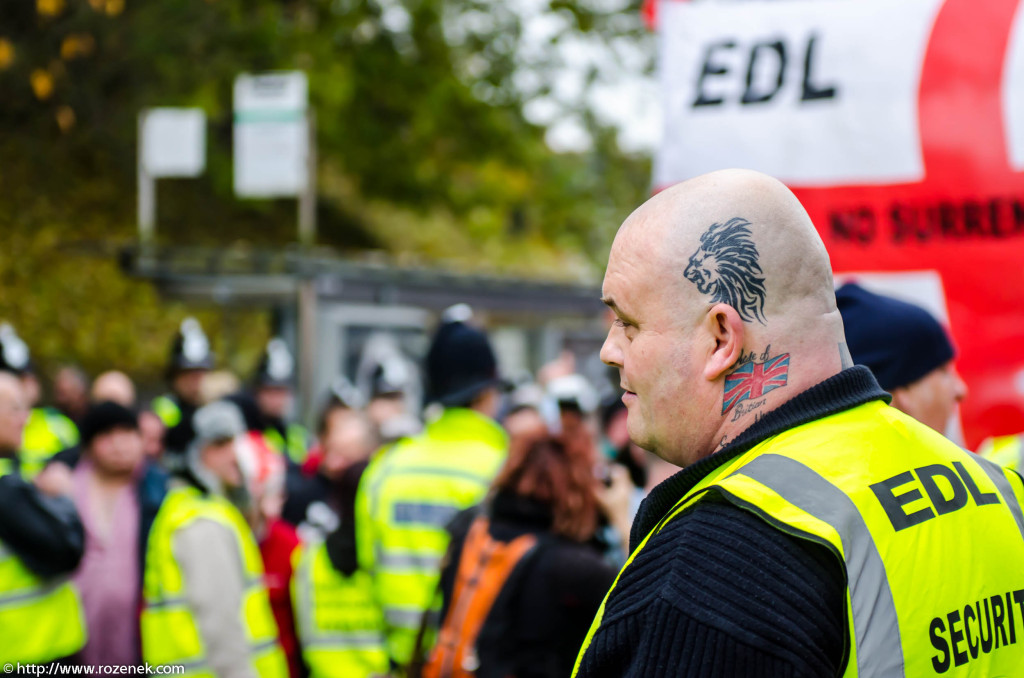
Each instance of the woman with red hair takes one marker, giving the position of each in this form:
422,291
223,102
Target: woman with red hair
522,579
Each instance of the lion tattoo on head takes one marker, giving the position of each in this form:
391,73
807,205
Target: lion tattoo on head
725,266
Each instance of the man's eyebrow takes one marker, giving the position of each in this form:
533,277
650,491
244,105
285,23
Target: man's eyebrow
609,302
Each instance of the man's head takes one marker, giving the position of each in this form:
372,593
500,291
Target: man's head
115,387
213,450
14,410
71,391
110,436
462,369
722,292
274,380
908,351
190,360
347,437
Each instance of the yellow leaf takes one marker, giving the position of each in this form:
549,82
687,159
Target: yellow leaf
42,84
97,4
77,45
65,118
114,7
49,7
6,53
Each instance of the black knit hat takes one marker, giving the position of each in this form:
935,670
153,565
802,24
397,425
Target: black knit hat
898,341
460,364
104,417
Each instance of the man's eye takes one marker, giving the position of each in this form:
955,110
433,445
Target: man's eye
619,322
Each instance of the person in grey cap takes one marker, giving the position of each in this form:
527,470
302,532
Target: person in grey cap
205,604
906,349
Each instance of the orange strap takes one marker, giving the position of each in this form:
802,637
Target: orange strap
484,567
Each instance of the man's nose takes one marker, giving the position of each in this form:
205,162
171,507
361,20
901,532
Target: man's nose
611,354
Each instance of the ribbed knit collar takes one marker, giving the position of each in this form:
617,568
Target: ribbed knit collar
851,387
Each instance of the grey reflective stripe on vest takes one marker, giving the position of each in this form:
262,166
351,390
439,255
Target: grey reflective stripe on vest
409,618
408,562
30,595
5,553
352,640
875,625
998,477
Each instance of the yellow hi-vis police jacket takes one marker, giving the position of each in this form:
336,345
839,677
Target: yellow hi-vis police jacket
931,538
46,433
339,624
170,634
40,620
406,498
1004,450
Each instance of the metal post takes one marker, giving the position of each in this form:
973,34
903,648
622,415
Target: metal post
307,199
307,284
146,188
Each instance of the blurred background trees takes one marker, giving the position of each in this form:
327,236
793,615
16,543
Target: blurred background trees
424,151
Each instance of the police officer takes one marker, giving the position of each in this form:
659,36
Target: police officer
272,390
47,431
205,604
813,530
191,359
339,623
41,544
413,489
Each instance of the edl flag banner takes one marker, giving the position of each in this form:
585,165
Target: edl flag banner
899,125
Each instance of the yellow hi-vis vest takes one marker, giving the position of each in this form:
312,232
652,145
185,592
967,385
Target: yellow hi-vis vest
170,635
40,619
406,498
931,538
166,407
1006,451
294,445
339,624
46,433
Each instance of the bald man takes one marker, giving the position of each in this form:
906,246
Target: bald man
813,530
113,386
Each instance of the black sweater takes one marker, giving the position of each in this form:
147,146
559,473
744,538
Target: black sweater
719,592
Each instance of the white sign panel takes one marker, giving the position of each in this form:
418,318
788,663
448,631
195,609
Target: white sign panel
271,134
1013,92
815,94
174,142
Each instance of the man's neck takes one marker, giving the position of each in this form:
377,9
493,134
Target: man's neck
764,380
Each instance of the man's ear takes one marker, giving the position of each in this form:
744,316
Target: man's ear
726,330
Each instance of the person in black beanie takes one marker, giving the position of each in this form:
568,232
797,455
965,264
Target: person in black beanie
907,350
427,479
117,492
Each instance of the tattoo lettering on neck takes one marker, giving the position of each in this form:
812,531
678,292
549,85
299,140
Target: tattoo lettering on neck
752,379
726,267
845,359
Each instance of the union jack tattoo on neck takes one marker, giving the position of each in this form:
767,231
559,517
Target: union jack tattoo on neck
753,379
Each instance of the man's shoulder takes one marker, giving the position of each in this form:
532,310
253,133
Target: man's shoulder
717,546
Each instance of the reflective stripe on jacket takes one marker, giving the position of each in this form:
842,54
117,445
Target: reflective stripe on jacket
170,634
405,500
340,625
924,529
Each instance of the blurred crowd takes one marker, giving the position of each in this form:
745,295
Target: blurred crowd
476,536
205,529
